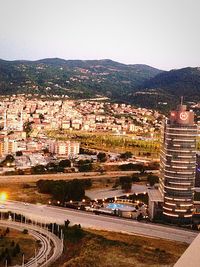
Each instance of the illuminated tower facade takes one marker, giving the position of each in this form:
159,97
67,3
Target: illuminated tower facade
177,165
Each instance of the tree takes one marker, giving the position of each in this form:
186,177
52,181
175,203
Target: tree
126,155
140,217
152,179
127,187
64,190
25,231
67,222
102,157
19,153
9,158
41,116
86,167
51,167
28,127
126,183
38,169
45,150
135,178
17,248
141,168
65,163
8,259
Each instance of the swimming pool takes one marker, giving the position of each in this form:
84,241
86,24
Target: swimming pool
117,206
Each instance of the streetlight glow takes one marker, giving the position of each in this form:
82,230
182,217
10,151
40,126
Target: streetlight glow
3,196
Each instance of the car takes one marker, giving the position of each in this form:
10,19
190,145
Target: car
26,204
2,207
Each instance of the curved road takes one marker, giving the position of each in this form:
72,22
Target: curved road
51,245
46,214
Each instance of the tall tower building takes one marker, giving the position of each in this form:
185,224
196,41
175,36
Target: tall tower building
177,165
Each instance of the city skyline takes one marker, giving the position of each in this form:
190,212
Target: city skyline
163,35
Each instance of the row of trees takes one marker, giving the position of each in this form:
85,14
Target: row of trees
64,191
51,167
8,249
126,181
139,167
99,141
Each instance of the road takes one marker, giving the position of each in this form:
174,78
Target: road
50,245
89,220
65,176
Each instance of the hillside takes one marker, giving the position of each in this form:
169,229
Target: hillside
169,86
137,84
75,78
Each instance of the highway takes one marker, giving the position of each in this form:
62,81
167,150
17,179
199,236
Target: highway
65,176
46,214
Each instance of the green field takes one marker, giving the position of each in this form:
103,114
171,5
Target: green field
108,142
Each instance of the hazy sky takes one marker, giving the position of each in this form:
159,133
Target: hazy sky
160,33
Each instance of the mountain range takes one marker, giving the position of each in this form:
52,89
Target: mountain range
137,84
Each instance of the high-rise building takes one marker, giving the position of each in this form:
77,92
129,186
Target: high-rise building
177,165
197,178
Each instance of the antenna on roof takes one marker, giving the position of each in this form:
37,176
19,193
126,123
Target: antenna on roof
181,100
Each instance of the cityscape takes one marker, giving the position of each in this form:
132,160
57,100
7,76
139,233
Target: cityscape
99,133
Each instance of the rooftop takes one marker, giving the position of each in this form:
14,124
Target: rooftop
111,193
155,195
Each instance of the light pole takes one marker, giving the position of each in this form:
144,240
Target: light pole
36,258
22,260
3,198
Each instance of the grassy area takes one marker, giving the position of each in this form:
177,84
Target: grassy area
108,249
23,192
28,192
109,142
8,242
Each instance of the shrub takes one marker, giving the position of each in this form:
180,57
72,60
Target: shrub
17,248
25,231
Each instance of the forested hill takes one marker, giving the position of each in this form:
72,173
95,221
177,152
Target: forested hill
138,84
167,88
75,78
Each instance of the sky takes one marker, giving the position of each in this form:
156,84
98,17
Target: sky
161,33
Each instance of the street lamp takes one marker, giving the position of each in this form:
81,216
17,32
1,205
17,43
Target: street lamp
3,196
